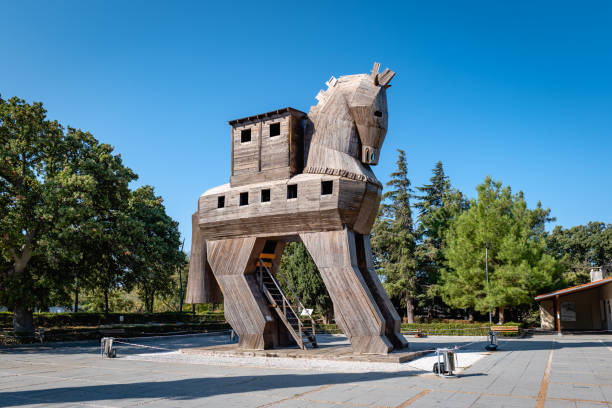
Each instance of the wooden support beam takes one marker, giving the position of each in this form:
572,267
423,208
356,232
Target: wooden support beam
557,314
246,309
393,322
202,286
386,77
375,71
356,310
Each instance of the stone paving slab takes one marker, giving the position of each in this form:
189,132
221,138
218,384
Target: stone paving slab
543,371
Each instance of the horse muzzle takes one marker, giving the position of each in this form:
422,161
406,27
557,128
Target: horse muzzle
369,155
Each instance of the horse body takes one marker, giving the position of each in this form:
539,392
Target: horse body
342,136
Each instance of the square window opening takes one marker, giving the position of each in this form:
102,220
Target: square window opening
265,195
275,129
244,198
245,135
220,201
327,187
291,191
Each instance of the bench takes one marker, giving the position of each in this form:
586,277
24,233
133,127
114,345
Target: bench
505,329
111,332
416,333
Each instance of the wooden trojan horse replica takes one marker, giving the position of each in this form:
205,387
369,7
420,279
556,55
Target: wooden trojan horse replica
298,177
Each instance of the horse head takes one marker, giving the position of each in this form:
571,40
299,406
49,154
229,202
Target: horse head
368,106
351,120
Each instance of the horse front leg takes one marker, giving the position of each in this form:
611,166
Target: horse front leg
356,310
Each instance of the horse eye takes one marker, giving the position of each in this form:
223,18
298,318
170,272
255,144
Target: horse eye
378,113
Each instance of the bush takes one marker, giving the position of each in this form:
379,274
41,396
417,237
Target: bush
97,319
455,328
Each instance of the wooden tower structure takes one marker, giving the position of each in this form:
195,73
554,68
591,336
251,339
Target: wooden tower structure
298,177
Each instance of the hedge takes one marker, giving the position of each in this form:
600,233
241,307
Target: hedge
97,319
441,329
8,338
455,329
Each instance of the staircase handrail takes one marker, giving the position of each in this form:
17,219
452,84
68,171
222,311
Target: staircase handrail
285,300
295,296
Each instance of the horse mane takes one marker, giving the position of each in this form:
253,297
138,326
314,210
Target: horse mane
332,144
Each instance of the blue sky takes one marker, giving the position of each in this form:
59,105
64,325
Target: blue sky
521,91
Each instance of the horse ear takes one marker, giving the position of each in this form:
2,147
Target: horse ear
374,74
386,77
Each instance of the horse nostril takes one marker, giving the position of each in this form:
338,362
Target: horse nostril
378,113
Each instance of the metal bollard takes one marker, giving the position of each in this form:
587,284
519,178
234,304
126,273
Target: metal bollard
106,347
492,339
446,364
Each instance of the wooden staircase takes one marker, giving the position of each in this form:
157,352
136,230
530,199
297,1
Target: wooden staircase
303,335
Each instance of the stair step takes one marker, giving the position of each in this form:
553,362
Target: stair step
287,312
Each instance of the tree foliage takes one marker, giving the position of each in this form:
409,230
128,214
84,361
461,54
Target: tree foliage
394,240
54,183
154,253
581,247
65,219
438,205
298,272
514,235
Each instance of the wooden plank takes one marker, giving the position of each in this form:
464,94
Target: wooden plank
202,286
386,77
356,310
375,69
233,263
393,321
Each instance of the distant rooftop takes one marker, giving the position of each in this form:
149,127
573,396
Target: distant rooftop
266,115
573,289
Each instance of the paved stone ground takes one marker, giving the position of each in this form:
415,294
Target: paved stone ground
543,371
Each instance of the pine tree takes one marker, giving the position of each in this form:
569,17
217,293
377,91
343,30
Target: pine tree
433,194
513,235
394,240
438,205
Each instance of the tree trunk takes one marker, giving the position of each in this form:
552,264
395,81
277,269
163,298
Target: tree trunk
471,315
328,317
23,320
76,299
501,315
106,301
409,309
152,301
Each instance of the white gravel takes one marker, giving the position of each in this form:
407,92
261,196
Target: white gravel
421,365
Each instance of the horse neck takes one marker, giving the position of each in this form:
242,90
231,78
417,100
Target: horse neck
333,141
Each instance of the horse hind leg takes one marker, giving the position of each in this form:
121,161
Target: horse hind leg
356,310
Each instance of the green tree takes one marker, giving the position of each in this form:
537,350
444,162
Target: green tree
53,182
394,240
154,244
581,247
514,236
298,273
438,205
